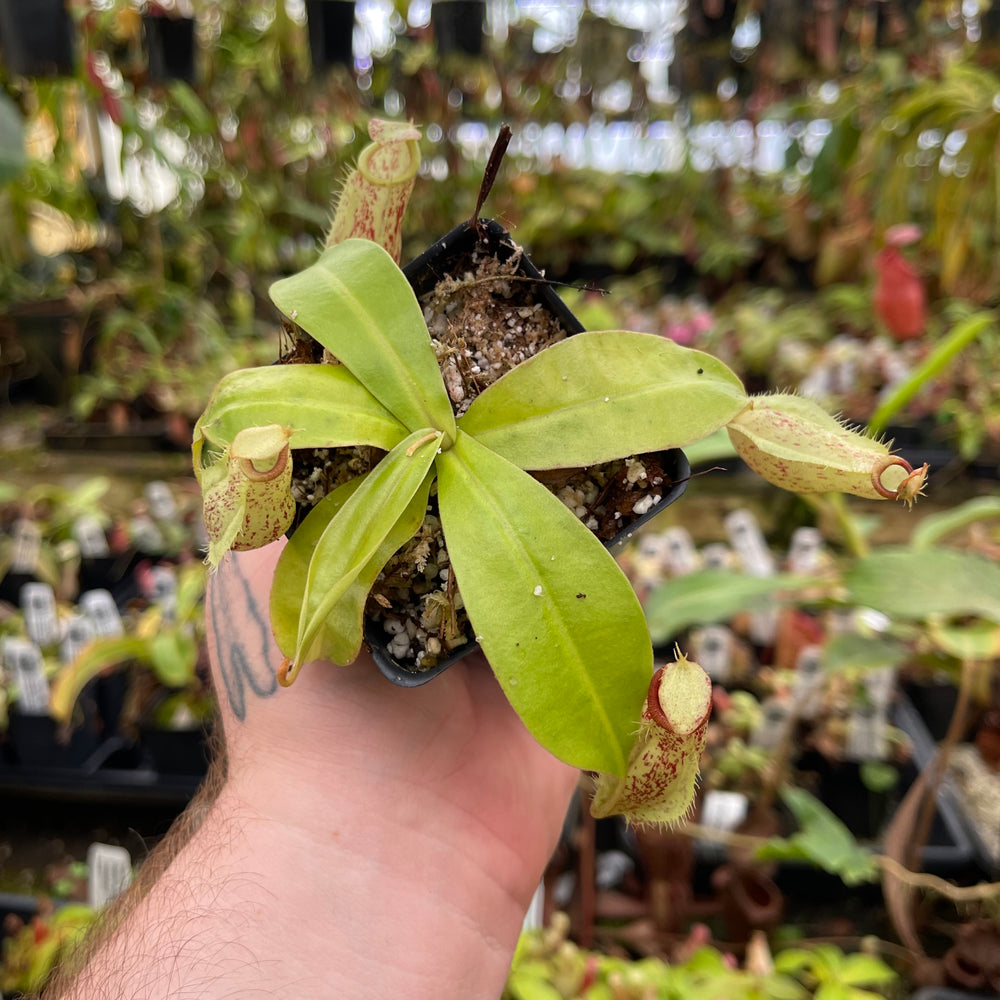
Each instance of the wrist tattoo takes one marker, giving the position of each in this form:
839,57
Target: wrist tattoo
243,644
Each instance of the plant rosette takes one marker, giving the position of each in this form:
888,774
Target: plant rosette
555,615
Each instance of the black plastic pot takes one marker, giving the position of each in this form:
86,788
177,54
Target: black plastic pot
36,37
423,273
458,26
331,32
36,741
169,47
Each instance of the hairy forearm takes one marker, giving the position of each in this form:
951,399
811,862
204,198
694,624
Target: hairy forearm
252,907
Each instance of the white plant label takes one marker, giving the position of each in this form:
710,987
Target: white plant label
713,649
109,871
763,626
146,536
38,603
679,553
867,734
881,686
808,688
717,555
164,590
161,501
90,537
805,552
773,721
27,549
749,543
99,606
79,632
23,665
723,810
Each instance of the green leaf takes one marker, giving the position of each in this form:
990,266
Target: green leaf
13,158
849,651
714,595
865,970
912,584
934,527
528,984
357,532
173,655
94,658
555,615
355,301
339,637
600,396
821,839
944,352
325,405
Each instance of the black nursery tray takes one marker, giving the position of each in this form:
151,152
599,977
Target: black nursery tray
949,853
423,273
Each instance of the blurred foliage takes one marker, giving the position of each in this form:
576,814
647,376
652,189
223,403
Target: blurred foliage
879,114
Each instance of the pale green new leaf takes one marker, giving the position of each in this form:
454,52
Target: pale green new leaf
567,640
339,637
358,530
356,302
325,405
909,584
600,396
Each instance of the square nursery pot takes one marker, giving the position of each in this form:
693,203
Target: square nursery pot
36,37
450,255
331,33
458,26
169,47
37,740
176,751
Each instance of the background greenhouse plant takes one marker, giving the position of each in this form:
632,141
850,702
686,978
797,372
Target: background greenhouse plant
556,617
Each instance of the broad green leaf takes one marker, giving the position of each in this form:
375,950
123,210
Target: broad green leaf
850,651
966,641
94,658
822,839
713,595
600,396
340,635
357,532
934,527
173,655
944,352
912,584
355,301
325,406
531,984
554,614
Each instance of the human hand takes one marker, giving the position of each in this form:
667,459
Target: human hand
436,805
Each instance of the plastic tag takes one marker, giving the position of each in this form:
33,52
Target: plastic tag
27,547
748,540
723,810
773,720
164,590
23,665
713,650
161,501
79,631
610,867
809,682
90,537
38,603
880,684
717,556
679,553
146,536
109,874
867,734
99,606
762,626
806,550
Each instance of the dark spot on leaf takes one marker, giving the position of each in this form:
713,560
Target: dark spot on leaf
701,371
580,596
